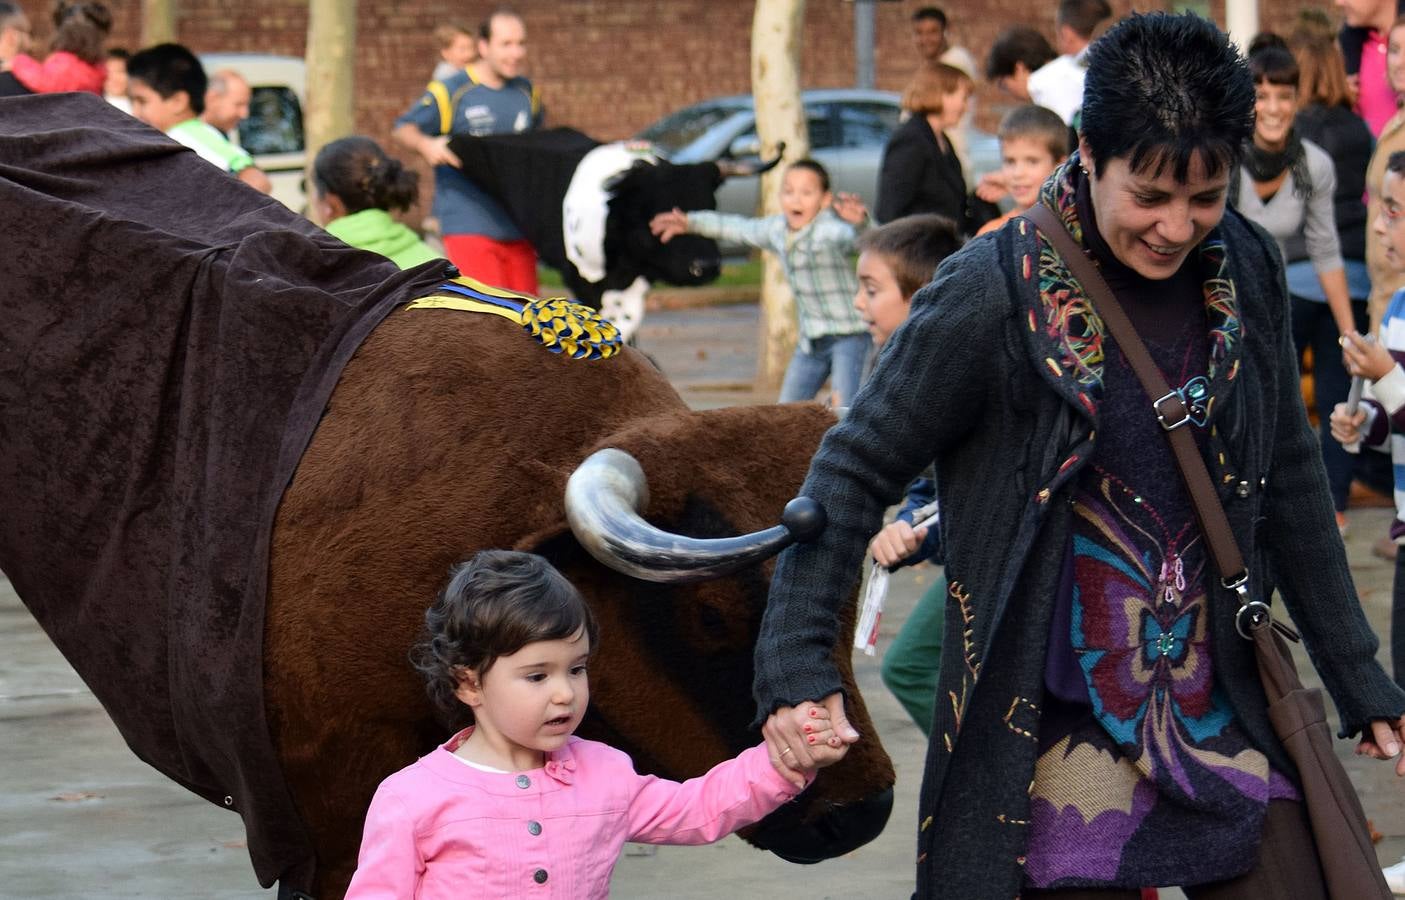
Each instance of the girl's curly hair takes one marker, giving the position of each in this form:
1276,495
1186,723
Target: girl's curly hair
494,605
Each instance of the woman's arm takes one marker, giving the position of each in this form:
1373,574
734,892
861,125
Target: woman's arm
929,389
1323,244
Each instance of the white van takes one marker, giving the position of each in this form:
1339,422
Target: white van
273,133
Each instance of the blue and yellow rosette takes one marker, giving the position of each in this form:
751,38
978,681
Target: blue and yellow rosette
556,323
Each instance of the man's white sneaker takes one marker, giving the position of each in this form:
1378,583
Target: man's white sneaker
1395,877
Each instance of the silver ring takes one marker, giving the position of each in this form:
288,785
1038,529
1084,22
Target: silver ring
785,751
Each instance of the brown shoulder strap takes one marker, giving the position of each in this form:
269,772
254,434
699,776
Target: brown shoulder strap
1168,405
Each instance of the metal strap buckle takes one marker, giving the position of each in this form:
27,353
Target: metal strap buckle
1183,412
1251,613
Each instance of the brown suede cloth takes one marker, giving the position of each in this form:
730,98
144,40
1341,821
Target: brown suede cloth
168,340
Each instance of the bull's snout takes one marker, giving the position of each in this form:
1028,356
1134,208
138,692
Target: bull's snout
840,830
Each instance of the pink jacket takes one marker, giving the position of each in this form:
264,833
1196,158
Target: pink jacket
441,829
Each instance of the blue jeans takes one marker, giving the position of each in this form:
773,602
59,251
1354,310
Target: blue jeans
839,357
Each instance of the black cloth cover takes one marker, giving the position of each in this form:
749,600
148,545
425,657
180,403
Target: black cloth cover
168,340
528,173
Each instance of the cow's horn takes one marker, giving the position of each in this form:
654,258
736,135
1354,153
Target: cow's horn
605,496
730,168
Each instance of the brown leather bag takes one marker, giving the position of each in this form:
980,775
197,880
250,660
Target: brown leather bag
1297,713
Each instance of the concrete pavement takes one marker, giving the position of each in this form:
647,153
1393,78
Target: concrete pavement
80,816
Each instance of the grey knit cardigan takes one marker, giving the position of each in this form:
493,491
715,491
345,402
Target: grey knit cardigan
997,375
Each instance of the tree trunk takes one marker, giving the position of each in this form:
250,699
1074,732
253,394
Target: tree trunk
330,110
158,22
776,30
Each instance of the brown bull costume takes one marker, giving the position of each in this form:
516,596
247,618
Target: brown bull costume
236,557
149,427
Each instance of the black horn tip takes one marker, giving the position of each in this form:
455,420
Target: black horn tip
804,518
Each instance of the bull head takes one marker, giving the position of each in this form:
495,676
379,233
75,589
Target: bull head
637,195
605,497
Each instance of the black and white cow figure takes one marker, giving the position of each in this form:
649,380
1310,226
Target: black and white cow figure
586,207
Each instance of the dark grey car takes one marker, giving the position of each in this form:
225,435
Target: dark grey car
848,129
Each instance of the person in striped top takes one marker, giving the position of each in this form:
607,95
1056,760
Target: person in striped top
1380,420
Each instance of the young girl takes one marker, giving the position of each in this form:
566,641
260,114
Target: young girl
515,805
356,185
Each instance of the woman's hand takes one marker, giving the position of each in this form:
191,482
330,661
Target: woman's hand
1346,426
895,543
800,739
1385,742
1365,359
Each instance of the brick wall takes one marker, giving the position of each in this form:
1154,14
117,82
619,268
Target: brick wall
610,67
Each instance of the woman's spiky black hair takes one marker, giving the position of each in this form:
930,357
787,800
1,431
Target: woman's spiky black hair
1163,88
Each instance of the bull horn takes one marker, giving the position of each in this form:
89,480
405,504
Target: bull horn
730,168
604,499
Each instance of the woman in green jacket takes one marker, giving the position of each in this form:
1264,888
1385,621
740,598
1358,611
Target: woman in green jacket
357,185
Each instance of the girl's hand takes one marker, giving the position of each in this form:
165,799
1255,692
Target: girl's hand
668,225
850,208
1346,427
895,543
1365,359
1385,742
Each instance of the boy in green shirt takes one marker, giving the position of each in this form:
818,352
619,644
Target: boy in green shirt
166,85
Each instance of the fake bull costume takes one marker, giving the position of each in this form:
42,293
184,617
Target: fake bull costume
147,432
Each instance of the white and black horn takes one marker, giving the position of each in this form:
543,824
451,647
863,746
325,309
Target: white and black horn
605,497
739,168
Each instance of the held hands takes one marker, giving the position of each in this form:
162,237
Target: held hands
1385,742
436,152
850,208
1346,427
668,225
1365,359
801,739
895,543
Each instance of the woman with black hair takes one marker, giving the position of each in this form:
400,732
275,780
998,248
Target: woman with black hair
1102,726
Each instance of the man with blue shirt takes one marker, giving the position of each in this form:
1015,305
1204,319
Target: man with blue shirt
490,96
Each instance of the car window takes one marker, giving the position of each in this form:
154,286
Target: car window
867,124
817,121
677,131
274,124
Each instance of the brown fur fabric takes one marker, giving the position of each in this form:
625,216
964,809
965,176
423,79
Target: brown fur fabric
168,339
450,433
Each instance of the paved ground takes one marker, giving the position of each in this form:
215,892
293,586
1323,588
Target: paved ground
81,817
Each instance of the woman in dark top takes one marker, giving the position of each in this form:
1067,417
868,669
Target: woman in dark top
1100,723
921,172
1327,120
